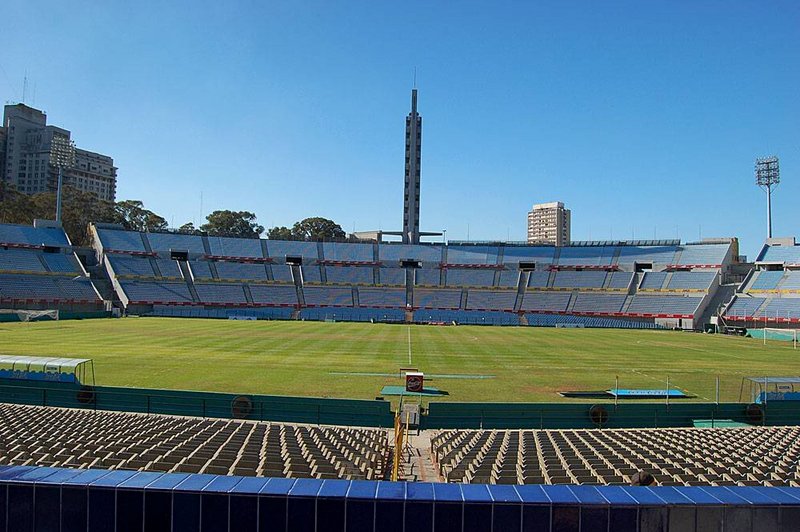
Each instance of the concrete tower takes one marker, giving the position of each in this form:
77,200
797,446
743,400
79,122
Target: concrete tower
413,160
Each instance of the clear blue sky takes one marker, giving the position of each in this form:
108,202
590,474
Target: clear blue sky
643,117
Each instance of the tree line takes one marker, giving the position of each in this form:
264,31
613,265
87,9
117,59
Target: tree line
79,208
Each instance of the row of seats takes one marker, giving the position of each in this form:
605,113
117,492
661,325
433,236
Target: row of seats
757,456
33,261
56,437
598,255
47,288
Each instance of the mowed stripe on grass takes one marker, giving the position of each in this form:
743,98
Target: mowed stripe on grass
301,358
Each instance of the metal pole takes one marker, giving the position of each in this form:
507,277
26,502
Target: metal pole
667,391
717,389
769,211
616,390
58,193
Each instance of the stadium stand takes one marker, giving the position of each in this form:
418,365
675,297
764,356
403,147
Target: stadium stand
471,255
119,240
281,273
438,299
691,281
653,281
126,265
508,278
781,254
59,263
558,320
347,252
539,255
704,255
392,276
28,236
165,242
200,269
456,277
597,303
110,440
619,280
274,295
491,300
20,260
139,292
168,268
559,284
653,255
222,246
241,271
349,275
323,296
757,456
586,256
386,315
393,253
538,279
46,288
279,250
573,279
546,302
466,317
311,274
220,293
427,276
667,304
381,297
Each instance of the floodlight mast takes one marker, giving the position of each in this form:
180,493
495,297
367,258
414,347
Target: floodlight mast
768,175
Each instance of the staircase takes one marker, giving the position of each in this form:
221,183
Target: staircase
721,298
183,266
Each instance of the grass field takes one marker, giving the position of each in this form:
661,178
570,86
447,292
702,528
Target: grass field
301,358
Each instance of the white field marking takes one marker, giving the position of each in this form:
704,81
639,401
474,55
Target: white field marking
672,385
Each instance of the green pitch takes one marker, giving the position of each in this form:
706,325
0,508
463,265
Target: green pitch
357,360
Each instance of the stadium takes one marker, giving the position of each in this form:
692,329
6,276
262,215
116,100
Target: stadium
340,385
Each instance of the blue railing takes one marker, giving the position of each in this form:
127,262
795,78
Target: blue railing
44,498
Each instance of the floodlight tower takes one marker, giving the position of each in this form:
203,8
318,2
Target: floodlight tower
768,175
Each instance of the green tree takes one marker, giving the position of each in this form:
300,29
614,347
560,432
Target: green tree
189,229
241,224
318,228
280,233
134,217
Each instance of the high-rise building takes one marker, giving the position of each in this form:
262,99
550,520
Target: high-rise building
549,223
33,151
412,175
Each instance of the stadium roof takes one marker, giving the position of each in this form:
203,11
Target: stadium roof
39,363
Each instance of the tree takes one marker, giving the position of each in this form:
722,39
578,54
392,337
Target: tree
134,217
280,233
318,228
241,224
189,229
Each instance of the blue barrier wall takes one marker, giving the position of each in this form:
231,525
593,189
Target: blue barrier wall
44,498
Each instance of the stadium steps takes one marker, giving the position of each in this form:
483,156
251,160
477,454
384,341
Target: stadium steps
628,301
213,267
572,299
409,291
677,258
721,299
155,268
298,285
206,245
463,304
247,294
356,301
521,284
146,243
667,280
